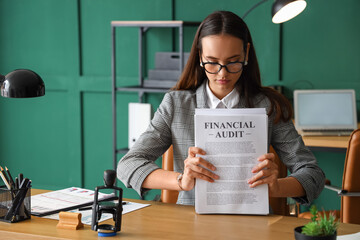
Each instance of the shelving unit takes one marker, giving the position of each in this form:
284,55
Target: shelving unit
143,27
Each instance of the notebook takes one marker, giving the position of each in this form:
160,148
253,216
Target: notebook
325,112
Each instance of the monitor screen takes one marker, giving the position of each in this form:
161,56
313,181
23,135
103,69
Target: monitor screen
327,108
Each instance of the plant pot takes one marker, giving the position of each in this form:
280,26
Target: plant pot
300,236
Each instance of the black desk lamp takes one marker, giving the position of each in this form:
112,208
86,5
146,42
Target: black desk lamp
22,83
282,10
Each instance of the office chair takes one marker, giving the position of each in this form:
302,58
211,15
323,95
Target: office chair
168,196
350,191
278,205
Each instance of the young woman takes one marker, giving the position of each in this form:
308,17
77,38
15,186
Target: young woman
222,72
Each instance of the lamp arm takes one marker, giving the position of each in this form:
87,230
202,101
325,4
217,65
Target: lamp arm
253,7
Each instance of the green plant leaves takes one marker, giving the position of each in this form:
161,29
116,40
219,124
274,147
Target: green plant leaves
320,224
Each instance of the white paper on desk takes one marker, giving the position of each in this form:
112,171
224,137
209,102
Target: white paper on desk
355,236
63,199
233,140
86,216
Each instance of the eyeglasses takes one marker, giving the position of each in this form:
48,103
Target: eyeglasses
232,67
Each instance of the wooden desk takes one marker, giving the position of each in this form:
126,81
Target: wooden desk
170,221
327,143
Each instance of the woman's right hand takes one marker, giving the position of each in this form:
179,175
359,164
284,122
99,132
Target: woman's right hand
193,170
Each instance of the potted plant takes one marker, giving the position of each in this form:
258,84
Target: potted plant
321,227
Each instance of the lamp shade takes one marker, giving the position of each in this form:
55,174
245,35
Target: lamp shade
22,83
284,10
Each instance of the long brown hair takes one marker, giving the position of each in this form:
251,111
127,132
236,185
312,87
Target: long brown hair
249,83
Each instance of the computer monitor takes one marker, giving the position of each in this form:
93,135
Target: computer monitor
325,110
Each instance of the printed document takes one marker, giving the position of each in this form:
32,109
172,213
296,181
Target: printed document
233,139
63,200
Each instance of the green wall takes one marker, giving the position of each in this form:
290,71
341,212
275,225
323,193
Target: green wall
65,138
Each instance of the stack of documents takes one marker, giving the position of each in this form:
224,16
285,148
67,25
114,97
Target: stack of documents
233,139
71,199
64,200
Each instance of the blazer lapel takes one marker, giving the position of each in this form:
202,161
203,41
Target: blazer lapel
201,96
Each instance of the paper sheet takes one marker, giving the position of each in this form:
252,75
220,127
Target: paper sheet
355,236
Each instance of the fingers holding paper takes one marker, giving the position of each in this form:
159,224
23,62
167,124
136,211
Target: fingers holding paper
196,167
265,172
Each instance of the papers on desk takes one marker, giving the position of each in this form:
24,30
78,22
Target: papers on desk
233,139
86,215
63,200
355,236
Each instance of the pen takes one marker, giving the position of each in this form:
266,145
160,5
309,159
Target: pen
20,179
3,176
26,211
85,208
10,177
89,208
16,183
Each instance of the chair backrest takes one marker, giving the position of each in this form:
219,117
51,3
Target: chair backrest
350,206
168,196
278,205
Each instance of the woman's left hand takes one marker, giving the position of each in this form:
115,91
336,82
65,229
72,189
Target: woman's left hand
266,172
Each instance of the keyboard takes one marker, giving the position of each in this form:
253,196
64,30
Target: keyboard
326,132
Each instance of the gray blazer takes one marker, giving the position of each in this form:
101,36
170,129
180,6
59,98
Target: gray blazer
173,124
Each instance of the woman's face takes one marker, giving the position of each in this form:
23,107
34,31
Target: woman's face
222,49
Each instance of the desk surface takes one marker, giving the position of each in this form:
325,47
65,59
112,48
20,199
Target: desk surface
326,141
170,221
335,142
